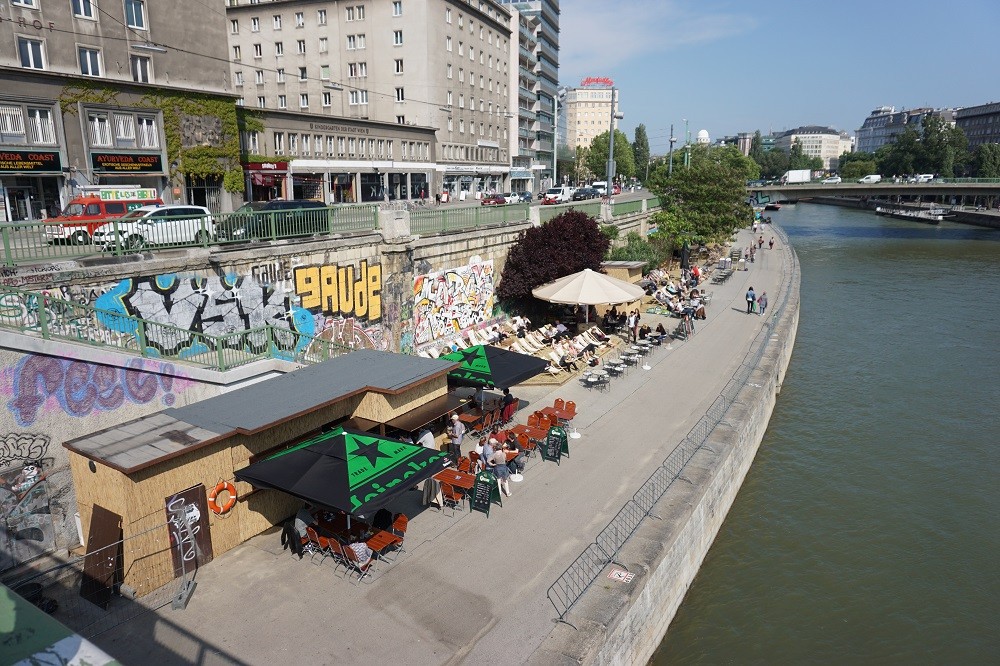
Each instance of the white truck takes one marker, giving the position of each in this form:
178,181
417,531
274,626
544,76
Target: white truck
796,176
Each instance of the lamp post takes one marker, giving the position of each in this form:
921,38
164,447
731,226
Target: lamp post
687,145
670,159
560,95
611,144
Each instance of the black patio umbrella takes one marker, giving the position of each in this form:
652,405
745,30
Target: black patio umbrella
356,472
489,366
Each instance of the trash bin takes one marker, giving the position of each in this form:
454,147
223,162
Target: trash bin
742,266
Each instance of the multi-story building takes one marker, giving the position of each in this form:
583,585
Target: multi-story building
546,15
823,142
588,113
130,92
434,65
981,123
884,123
523,85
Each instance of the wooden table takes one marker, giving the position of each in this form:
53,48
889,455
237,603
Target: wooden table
561,414
455,478
537,434
382,540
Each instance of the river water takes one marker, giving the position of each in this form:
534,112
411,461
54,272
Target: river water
867,530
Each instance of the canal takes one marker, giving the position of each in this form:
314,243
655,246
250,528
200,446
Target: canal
867,530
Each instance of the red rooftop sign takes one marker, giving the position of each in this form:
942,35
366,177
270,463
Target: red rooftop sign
597,81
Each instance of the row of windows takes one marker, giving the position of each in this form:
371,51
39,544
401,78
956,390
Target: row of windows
484,129
31,53
26,125
135,11
483,81
354,13
23,124
472,25
336,146
472,153
483,58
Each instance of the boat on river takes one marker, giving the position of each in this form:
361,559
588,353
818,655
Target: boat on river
772,206
926,215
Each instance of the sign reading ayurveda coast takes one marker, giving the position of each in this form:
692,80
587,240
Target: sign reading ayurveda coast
35,161
124,162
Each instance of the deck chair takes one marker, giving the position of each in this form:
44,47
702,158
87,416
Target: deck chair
530,345
559,403
473,338
433,352
461,343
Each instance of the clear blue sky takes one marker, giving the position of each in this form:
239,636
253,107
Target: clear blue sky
730,66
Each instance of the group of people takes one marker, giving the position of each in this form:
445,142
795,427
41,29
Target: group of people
295,535
756,304
492,457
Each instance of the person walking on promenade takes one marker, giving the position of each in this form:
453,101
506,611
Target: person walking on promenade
753,251
751,297
456,433
760,242
770,246
762,303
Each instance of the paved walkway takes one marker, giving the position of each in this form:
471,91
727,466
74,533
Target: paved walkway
469,588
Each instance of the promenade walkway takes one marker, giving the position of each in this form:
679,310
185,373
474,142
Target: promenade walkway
469,589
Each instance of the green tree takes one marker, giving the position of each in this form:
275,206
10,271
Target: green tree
986,160
756,148
640,150
597,160
637,248
857,169
707,201
902,155
773,163
799,160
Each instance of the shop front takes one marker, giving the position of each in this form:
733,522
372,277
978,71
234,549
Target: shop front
265,180
30,181
521,180
461,182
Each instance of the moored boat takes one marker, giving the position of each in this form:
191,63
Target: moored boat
929,216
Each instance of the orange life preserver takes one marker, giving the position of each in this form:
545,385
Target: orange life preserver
230,503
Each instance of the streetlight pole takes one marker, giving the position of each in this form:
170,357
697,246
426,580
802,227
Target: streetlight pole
670,159
560,94
611,144
687,145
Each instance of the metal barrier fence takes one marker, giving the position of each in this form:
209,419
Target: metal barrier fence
626,208
571,585
436,220
60,319
39,240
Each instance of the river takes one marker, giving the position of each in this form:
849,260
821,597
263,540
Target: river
867,530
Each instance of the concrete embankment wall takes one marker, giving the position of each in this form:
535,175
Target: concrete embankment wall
624,624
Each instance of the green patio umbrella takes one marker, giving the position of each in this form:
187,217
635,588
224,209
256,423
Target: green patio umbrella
489,366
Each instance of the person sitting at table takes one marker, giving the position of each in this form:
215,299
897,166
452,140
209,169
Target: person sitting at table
364,553
516,464
304,519
658,333
489,448
425,438
382,520
644,331
499,466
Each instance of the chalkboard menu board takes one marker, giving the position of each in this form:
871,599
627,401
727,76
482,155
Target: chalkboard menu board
556,443
485,492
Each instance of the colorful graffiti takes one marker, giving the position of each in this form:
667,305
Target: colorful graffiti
447,302
339,291
27,529
44,383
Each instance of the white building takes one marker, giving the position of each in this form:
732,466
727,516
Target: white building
825,143
588,114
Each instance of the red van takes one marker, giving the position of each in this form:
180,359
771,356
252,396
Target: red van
94,207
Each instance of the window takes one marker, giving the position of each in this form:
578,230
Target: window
293,143
237,78
461,75
250,141
397,37
277,21
30,53
279,75
327,99
25,3
303,101
149,136
100,130
124,125
449,98
361,41
324,72
255,24
302,74
361,12
451,125
40,127
90,61
282,102
234,26
323,48
461,48
447,15
279,49
300,46
279,143
397,8
449,70
362,69
461,101
321,16
389,147
141,67
258,77
352,69
352,146
300,20
447,44
258,50
349,13
236,53
399,95
261,103
352,42
399,66
341,145
357,97
401,120
461,126
84,9
135,14
461,21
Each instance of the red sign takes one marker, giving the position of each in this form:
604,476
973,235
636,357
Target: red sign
597,81
266,166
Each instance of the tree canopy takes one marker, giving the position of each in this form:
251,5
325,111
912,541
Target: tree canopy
986,160
640,150
564,245
937,148
597,160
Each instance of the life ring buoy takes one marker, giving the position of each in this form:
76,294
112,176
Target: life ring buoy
230,503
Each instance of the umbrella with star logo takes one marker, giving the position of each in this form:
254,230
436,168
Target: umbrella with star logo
489,366
356,472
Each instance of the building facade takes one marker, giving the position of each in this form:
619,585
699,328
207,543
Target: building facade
981,123
525,169
884,123
588,114
823,142
436,64
96,95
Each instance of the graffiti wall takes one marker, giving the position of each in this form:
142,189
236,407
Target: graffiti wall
450,301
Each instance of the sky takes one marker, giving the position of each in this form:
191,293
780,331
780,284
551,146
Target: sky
736,66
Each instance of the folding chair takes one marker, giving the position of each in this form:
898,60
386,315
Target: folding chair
320,545
452,497
354,564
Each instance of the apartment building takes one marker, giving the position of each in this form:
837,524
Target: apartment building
981,123
588,113
437,69
884,123
87,90
524,84
823,142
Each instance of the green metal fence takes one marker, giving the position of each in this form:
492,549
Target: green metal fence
38,240
59,319
592,208
626,208
436,220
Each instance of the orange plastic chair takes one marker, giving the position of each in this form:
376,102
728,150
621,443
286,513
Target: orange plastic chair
452,497
560,403
526,444
533,420
571,407
464,464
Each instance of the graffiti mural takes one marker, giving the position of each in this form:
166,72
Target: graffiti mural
44,383
447,302
338,291
27,529
17,447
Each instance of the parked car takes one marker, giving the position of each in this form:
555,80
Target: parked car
870,179
585,193
278,218
524,197
157,225
557,195
493,200
832,180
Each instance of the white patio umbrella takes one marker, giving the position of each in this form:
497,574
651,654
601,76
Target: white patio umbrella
588,288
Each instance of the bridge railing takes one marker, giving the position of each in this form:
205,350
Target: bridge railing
53,318
571,585
425,221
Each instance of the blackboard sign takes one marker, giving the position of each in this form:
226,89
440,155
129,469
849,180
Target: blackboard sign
556,443
484,492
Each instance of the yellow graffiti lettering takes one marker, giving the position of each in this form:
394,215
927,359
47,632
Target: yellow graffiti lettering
307,286
338,291
328,289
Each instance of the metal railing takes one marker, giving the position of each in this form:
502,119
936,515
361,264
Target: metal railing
54,318
571,585
436,220
626,207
